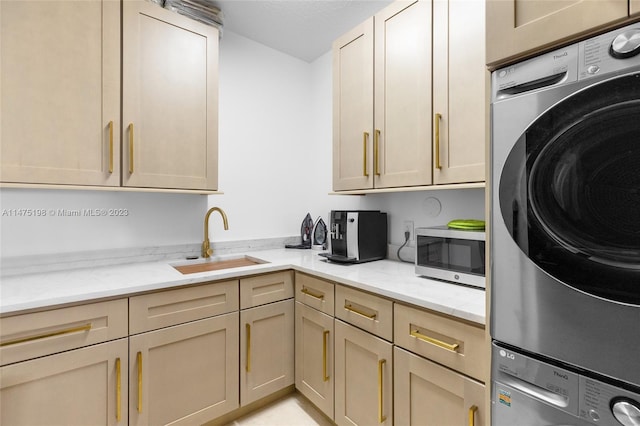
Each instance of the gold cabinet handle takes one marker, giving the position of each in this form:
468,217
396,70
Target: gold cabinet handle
118,391
376,153
472,415
325,335
381,416
312,294
139,361
248,366
453,347
130,148
365,136
111,146
355,310
437,141
71,330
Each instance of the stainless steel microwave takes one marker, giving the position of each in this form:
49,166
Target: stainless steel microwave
452,255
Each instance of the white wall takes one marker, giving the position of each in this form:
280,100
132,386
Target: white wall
275,166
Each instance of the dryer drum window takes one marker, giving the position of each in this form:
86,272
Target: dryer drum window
570,190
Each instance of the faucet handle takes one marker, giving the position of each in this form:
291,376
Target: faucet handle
209,252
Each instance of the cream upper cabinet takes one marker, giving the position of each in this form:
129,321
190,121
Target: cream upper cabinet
60,92
402,132
353,108
517,28
387,145
170,99
460,91
634,7
428,394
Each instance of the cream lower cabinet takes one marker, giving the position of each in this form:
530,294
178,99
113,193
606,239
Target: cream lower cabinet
170,99
314,357
518,28
363,377
266,350
86,386
60,97
184,374
428,394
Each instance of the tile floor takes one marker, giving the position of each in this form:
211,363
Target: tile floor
291,410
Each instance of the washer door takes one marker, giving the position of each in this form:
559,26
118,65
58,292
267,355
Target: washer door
570,190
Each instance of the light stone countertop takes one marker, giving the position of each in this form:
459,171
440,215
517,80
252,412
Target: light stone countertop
389,278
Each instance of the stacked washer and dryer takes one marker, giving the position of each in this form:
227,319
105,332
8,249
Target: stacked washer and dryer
565,317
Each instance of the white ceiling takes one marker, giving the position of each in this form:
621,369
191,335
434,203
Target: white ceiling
301,28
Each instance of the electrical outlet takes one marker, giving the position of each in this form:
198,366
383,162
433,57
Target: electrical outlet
407,226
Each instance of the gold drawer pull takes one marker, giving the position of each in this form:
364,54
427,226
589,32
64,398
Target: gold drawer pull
453,347
325,335
376,153
381,416
139,359
472,417
111,146
437,119
131,148
355,310
365,136
118,391
248,366
85,327
312,294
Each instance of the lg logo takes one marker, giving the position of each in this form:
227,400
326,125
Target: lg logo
506,354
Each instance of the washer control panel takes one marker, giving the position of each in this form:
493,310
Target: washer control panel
609,52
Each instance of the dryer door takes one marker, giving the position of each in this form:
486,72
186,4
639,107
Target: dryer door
570,190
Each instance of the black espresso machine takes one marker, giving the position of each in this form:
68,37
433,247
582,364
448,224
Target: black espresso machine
357,236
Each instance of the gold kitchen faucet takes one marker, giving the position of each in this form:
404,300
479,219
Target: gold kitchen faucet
206,249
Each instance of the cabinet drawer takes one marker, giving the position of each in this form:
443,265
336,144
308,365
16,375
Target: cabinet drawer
171,307
263,289
42,333
371,313
452,343
315,292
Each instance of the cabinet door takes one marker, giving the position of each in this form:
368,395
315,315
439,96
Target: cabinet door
170,99
314,357
634,7
364,374
266,350
460,91
353,109
428,394
518,27
60,92
86,386
402,134
184,374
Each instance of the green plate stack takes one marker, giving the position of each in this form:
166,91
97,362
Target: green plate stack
467,224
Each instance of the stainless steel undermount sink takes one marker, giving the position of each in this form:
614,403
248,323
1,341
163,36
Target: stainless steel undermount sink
217,264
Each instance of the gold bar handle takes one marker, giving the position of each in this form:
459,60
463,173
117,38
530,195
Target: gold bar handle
71,330
111,146
472,415
118,391
312,294
130,148
248,366
365,136
376,153
325,376
453,347
139,360
437,137
355,310
381,416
